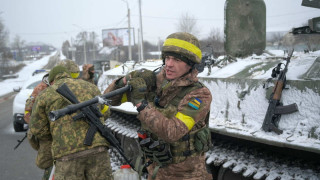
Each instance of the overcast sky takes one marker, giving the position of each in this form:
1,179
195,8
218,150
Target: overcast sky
54,21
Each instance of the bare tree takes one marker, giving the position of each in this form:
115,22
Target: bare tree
214,43
65,49
18,44
188,23
277,39
3,36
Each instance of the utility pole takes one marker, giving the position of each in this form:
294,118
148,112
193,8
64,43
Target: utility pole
129,32
93,46
159,49
84,47
141,31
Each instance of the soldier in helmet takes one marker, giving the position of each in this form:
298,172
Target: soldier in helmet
72,158
44,157
71,66
74,73
88,73
174,110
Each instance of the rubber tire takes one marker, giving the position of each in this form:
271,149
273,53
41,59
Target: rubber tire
18,127
307,30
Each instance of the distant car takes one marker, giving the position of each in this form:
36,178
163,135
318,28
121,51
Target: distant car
20,100
39,71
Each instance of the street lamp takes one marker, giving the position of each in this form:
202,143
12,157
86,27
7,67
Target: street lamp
84,43
141,31
129,30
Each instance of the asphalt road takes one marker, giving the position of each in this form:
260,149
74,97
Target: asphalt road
20,163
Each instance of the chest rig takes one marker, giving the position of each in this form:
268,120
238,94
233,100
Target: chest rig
157,150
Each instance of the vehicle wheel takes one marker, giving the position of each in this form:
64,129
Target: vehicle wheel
18,127
307,30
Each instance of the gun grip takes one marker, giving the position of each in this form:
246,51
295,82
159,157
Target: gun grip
89,136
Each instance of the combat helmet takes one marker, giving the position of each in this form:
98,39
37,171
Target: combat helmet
55,71
184,46
72,67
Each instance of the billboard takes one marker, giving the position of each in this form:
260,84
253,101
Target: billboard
36,48
117,37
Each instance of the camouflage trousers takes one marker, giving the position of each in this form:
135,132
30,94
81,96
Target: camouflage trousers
193,168
91,167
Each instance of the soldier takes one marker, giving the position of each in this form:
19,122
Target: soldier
73,159
88,73
44,157
174,116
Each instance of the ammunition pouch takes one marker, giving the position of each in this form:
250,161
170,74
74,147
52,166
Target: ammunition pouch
202,140
157,151
190,145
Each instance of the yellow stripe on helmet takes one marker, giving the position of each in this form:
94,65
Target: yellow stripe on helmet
187,120
74,75
105,109
184,45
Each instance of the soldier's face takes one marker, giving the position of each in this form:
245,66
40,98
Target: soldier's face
175,67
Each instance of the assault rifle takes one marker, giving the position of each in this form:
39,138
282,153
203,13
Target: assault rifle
90,112
275,108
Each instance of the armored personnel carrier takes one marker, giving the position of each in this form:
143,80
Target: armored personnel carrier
312,28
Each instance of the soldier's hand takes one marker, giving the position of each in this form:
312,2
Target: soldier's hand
148,76
138,89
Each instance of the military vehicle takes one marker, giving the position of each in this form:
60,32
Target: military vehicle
312,28
242,91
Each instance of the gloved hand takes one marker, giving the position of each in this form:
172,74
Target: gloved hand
147,75
139,90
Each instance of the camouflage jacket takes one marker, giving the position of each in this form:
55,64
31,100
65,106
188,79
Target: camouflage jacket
164,123
30,101
67,135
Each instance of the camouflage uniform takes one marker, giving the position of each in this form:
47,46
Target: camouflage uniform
44,158
88,73
67,135
170,116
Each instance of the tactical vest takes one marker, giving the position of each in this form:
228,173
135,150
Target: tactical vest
188,146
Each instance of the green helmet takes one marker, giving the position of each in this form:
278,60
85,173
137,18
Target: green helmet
184,46
55,71
72,67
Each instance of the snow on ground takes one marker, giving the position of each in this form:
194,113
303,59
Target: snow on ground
7,85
